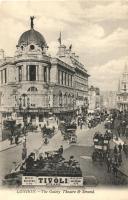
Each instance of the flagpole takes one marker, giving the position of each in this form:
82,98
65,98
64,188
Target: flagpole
59,39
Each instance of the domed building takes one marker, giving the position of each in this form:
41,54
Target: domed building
33,84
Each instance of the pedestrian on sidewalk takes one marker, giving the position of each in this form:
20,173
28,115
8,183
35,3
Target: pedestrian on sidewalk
120,159
120,147
123,126
81,124
11,139
24,153
24,141
108,162
115,150
125,149
115,168
126,131
16,140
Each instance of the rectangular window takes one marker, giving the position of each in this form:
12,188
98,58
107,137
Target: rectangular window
68,79
125,87
20,73
71,80
62,78
5,75
1,76
59,76
49,74
65,78
27,69
32,72
45,74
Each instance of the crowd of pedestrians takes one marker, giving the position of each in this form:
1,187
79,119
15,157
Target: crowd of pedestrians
118,122
113,158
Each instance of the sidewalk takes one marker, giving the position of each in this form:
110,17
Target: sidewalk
124,166
5,145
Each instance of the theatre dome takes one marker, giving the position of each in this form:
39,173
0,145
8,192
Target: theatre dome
32,36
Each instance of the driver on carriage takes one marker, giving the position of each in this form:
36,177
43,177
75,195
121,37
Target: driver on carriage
60,150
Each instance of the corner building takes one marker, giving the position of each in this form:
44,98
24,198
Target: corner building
36,84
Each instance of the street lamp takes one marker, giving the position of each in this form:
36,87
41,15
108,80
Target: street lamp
24,108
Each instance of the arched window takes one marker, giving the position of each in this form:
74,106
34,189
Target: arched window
125,87
69,99
60,98
32,89
65,99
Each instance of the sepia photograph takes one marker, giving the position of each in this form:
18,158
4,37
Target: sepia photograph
64,96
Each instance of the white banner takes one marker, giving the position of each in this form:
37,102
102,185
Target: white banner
52,181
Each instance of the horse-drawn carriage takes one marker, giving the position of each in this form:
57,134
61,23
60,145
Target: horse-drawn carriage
48,132
68,131
101,147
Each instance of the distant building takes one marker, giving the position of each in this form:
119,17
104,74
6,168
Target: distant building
122,94
94,98
109,99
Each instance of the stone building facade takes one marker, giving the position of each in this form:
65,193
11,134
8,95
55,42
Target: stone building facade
122,94
34,84
94,98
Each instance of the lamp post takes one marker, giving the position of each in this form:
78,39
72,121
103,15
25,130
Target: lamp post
25,109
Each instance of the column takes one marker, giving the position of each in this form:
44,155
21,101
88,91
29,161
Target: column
23,70
47,74
41,73
60,77
37,78
17,78
27,72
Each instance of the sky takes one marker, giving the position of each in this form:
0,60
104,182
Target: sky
97,30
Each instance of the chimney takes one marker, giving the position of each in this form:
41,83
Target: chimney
1,54
62,50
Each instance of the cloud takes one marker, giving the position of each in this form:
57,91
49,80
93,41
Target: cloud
107,76
113,10
80,24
